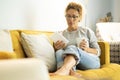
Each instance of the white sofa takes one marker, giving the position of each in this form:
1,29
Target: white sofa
110,32
23,69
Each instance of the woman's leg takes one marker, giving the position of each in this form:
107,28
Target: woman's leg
69,62
66,60
88,61
83,59
59,58
67,67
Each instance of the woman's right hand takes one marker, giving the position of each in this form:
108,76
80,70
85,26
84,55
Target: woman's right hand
59,45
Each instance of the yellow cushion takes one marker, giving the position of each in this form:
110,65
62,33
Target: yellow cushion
7,55
106,72
60,77
16,44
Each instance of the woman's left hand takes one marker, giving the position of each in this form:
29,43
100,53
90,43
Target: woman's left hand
83,45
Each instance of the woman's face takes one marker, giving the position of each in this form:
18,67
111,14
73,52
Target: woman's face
72,17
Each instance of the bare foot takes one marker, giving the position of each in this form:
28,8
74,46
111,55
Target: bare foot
75,74
60,71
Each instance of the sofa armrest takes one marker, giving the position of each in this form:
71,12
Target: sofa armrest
7,55
105,52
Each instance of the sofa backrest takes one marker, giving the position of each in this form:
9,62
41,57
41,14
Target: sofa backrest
18,49
16,40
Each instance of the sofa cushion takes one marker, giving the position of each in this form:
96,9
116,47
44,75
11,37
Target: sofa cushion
6,49
39,46
5,41
17,47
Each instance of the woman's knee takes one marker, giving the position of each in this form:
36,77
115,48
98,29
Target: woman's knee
88,66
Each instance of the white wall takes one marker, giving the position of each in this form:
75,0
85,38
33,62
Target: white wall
11,14
33,14
116,10
97,9
29,14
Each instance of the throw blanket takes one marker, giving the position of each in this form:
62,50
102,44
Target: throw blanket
115,52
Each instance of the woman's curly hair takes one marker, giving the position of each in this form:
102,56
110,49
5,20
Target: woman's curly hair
76,6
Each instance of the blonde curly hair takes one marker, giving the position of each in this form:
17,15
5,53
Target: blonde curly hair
75,6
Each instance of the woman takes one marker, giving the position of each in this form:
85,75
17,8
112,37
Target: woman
71,56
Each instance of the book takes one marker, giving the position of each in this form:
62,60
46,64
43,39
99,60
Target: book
57,36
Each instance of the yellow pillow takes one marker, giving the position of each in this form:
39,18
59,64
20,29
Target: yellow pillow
7,55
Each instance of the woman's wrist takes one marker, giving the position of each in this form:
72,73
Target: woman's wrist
86,49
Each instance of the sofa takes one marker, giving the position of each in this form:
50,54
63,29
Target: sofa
112,36
107,71
23,69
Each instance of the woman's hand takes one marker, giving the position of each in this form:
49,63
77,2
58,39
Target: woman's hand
83,45
59,45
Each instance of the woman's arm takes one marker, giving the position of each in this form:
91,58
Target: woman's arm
83,45
91,50
59,45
